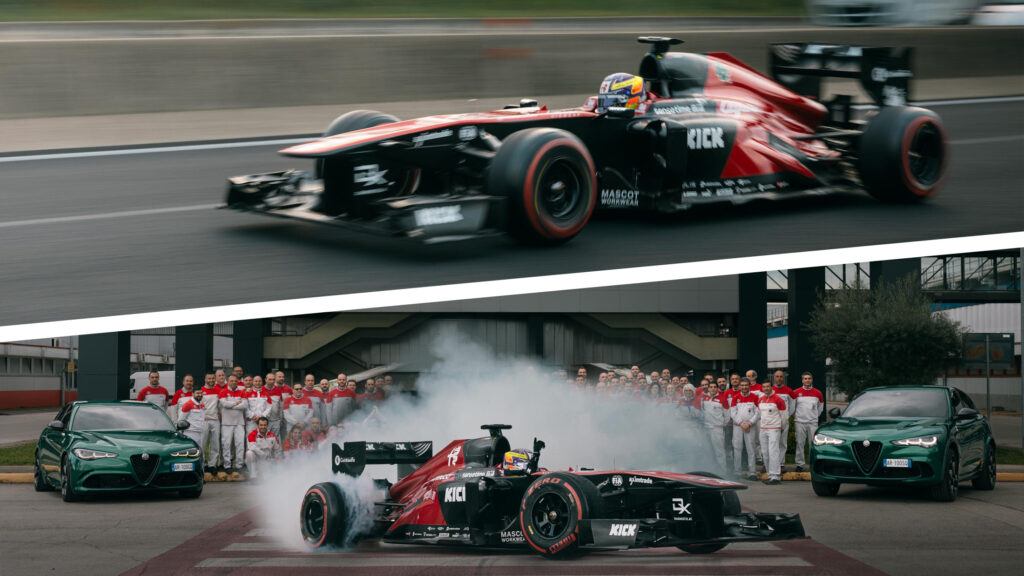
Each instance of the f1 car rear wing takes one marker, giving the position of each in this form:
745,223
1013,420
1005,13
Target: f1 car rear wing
352,457
884,73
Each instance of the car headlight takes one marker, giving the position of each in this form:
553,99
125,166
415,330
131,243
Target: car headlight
186,453
922,441
86,454
825,440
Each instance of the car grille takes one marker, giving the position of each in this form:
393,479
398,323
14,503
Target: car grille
144,469
109,481
867,456
172,479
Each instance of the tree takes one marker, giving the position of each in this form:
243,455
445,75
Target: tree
883,337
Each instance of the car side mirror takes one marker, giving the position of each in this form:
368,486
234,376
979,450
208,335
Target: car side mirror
617,112
183,425
966,413
56,425
834,413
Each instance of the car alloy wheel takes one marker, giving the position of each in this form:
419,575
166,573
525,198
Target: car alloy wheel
67,491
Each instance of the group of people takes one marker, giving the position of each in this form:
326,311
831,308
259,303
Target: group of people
738,413
242,421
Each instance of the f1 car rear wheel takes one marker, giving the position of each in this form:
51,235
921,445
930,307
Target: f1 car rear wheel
551,512
903,154
323,516
349,188
547,175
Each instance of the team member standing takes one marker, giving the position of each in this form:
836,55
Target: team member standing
809,404
315,396
298,409
181,396
155,393
772,412
259,404
786,394
744,414
274,413
211,425
342,401
262,447
716,417
193,412
233,403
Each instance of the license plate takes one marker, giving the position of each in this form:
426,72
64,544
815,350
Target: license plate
183,467
896,463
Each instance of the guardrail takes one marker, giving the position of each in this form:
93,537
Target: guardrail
48,78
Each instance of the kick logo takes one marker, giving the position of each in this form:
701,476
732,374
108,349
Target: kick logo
705,138
455,494
623,530
680,507
453,456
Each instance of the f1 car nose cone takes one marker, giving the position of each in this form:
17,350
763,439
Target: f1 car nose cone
552,516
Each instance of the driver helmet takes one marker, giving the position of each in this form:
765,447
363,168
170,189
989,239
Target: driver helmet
622,90
516,461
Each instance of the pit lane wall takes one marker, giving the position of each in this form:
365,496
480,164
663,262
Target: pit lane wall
51,78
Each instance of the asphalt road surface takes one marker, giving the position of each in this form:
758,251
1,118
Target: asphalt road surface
123,234
863,531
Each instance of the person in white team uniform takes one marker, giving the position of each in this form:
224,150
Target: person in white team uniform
193,412
716,417
262,447
772,410
744,414
809,404
233,403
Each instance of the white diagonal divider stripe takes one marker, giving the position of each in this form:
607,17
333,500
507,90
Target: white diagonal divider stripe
510,287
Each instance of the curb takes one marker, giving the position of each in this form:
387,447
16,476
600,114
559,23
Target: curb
17,478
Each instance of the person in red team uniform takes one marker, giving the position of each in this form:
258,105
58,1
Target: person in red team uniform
341,401
180,396
293,442
689,405
786,394
744,413
262,447
155,393
772,412
808,403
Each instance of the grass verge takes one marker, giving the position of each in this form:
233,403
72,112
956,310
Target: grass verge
51,10
18,455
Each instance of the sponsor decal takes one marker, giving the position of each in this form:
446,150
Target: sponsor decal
617,198
623,530
419,139
894,96
453,456
455,494
421,448
879,74
733,108
681,508
371,447
438,215
562,543
705,138
640,480
512,537
369,175
442,477
695,106
339,460
467,133
722,72
400,446
616,480
478,474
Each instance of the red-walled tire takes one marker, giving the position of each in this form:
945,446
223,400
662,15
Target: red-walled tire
350,122
904,154
322,516
548,177
552,510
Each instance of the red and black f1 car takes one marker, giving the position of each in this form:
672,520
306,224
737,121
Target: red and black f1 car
713,129
466,495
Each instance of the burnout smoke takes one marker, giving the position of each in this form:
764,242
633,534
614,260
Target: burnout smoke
468,386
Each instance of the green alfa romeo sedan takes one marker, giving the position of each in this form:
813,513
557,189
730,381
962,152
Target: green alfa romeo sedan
103,447
927,436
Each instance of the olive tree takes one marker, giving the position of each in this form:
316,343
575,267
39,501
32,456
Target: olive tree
883,337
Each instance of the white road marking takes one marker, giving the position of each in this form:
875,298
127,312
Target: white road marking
988,140
109,215
154,150
959,101
259,533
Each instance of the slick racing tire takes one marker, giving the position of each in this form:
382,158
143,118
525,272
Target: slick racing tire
67,485
342,194
903,154
947,489
39,481
552,510
547,175
986,478
825,489
323,517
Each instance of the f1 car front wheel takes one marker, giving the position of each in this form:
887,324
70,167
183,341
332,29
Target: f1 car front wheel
322,516
903,154
547,175
552,510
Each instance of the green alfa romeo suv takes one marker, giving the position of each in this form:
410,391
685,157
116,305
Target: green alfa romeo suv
927,436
